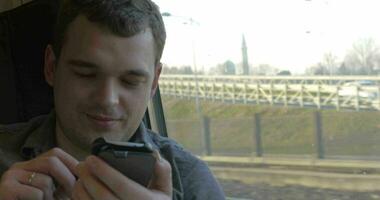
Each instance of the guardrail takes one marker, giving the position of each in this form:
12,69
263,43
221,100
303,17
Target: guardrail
312,135
339,92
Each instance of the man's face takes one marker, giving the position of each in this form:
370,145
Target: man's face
102,82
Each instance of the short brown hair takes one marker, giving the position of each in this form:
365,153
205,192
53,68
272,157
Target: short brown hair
123,17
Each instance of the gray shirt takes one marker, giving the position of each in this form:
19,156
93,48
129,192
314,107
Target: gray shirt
192,178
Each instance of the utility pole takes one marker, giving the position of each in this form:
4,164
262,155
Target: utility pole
192,23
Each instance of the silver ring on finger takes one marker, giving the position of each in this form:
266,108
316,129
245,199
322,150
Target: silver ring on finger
31,177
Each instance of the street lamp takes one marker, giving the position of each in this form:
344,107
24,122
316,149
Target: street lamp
192,22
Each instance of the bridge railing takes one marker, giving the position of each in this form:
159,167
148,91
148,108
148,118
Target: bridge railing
339,92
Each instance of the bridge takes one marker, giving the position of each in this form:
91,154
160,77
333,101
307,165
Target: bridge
322,92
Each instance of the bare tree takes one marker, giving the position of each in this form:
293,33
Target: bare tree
364,57
330,63
327,66
265,69
318,69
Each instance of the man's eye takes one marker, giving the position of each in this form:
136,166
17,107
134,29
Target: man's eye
85,75
131,82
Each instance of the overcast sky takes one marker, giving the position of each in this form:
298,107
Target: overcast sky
287,34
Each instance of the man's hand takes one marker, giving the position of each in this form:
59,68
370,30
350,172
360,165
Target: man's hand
97,180
36,178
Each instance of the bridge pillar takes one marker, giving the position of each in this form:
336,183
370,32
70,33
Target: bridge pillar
234,93
286,95
245,93
337,99
271,93
223,92
319,97
258,93
357,100
301,96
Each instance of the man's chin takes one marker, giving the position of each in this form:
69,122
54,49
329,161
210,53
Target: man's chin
106,135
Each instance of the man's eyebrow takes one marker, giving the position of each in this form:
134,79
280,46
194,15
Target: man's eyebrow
136,72
82,63
86,64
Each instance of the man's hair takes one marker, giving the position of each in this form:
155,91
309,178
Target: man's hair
125,18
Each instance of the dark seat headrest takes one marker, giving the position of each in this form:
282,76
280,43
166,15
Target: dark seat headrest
24,33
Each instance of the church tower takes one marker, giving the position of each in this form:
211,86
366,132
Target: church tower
245,57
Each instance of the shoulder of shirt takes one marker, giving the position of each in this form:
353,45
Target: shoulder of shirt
196,178
185,160
14,135
166,142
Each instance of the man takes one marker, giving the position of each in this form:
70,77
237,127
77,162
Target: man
104,67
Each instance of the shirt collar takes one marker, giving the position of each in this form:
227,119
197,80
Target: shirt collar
43,138
142,135
40,139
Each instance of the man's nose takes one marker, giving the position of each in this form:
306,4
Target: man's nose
107,93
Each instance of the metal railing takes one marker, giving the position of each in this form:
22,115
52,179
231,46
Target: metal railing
310,135
338,92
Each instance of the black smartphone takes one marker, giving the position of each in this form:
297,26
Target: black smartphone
134,160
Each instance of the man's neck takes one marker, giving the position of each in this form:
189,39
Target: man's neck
66,145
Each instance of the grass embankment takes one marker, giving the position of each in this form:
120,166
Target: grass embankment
284,130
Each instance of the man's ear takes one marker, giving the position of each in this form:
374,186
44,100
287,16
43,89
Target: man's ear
157,72
50,65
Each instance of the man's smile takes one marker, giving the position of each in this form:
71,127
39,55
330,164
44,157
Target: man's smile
104,122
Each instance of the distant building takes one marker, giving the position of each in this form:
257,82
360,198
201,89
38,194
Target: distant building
227,68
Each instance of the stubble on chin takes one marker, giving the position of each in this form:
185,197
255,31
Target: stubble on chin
74,135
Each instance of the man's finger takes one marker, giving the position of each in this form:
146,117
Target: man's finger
162,175
28,192
51,166
60,194
69,161
79,192
25,192
95,188
41,181
120,185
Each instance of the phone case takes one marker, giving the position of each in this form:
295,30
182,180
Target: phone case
137,166
134,160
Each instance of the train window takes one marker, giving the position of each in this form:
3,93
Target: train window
280,98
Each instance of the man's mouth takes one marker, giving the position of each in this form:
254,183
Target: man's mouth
103,117
103,121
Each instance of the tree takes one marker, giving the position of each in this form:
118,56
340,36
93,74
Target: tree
364,57
344,70
186,70
227,68
265,69
327,66
284,73
175,70
329,62
318,69
169,70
